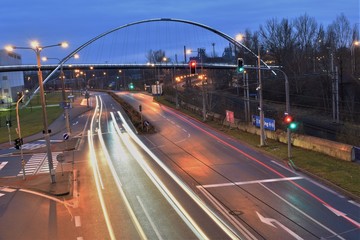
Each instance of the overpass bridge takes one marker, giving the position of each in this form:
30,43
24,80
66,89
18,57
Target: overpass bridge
51,67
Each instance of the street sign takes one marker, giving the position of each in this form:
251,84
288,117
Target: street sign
66,136
60,158
230,116
269,124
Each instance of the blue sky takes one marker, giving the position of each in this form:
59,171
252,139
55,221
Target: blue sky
80,20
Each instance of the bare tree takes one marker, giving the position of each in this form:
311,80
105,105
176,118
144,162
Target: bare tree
155,56
342,32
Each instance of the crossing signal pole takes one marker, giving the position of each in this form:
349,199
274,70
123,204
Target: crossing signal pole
19,141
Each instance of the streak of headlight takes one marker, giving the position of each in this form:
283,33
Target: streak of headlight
264,165
95,165
190,193
98,178
158,183
118,184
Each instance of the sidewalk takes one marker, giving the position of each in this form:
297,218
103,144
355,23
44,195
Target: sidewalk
42,182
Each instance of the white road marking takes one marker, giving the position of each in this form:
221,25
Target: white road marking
149,218
38,163
225,212
2,165
2,194
251,182
77,221
271,222
303,213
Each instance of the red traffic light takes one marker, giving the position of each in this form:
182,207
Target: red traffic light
288,119
192,65
290,123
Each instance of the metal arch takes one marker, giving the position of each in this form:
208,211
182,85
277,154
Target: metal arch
221,34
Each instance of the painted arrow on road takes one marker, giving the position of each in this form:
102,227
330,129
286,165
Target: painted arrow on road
272,222
341,214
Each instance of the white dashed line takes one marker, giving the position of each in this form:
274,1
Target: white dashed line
77,221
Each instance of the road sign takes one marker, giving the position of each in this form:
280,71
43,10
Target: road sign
269,124
66,136
60,158
230,116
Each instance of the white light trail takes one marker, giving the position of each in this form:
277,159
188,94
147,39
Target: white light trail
185,188
98,178
118,183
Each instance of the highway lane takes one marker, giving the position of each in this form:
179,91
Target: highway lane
249,188
132,195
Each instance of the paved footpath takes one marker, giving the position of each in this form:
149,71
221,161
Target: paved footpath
41,181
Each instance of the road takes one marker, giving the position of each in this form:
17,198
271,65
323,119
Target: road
260,196
186,181
117,194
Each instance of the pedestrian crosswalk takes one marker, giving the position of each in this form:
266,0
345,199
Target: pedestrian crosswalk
32,146
38,163
37,144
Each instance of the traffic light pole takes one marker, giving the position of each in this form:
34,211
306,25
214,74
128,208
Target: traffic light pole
262,133
287,109
19,134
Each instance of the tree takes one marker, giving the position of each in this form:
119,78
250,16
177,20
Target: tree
155,56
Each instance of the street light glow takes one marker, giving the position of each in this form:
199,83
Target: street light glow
35,44
64,44
239,37
9,48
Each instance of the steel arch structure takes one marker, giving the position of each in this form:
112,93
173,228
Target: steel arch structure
219,33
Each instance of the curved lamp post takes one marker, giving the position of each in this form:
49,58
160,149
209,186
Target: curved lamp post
37,48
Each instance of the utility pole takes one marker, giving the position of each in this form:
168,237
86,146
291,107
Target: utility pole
262,135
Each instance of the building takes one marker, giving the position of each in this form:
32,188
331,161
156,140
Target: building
10,82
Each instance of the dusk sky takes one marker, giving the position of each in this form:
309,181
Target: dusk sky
78,21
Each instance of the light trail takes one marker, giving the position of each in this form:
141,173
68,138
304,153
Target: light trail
97,177
356,224
185,188
118,183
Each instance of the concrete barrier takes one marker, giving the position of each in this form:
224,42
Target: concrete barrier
334,149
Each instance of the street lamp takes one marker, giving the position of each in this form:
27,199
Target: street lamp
354,44
37,48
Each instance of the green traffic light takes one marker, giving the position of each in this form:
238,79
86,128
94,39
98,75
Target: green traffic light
241,69
293,126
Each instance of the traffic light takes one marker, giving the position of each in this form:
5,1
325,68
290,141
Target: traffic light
289,122
131,86
192,65
240,65
17,143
